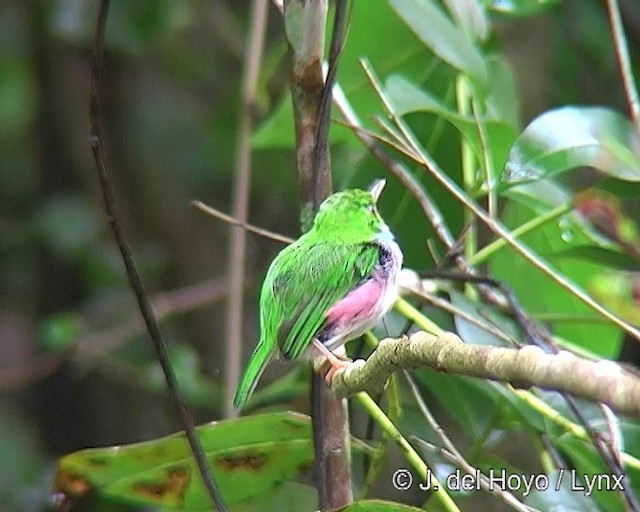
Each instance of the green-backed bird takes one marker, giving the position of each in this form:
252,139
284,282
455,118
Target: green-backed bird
328,287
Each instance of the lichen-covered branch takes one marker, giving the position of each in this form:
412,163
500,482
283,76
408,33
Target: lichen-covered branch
598,381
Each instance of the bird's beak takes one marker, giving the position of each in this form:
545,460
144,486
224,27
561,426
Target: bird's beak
376,189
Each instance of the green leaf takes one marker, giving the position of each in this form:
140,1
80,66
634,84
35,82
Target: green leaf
547,297
539,196
249,456
587,462
560,497
397,51
377,506
58,332
441,36
471,16
520,8
571,137
606,257
408,97
470,402
472,333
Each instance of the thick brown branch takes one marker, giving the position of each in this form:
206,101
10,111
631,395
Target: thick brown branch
597,381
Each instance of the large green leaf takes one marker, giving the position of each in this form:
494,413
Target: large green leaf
559,495
470,402
408,97
249,456
571,137
441,36
537,293
587,463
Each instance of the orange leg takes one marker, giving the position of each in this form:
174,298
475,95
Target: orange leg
335,363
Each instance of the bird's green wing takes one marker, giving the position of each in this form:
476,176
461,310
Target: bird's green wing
310,282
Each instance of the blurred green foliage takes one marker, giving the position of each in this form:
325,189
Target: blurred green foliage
73,375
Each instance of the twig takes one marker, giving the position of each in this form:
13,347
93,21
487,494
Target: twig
95,140
238,244
455,456
439,490
622,55
19,375
271,235
496,227
163,305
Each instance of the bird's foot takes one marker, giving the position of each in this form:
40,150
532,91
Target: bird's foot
333,361
334,366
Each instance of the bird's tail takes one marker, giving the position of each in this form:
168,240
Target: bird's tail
257,363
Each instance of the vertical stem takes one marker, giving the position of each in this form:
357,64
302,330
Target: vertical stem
305,23
468,167
253,56
622,54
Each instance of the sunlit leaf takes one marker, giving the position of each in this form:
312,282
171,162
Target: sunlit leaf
471,16
442,37
249,456
571,137
518,8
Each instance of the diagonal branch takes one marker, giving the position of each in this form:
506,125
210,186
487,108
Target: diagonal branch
95,140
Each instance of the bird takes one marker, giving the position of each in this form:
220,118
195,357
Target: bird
328,287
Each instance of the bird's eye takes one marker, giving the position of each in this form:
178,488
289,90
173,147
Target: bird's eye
371,208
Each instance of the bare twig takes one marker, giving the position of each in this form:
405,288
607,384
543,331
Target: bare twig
95,140
455,456
496,227
271,235
235,311
622,55
163,305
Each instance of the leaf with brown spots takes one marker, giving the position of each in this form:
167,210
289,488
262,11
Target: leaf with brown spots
249,457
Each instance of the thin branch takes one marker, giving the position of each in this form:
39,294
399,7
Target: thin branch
624,63
271,235
412,456
163,305
496,227
597,381
95,140
455,456
238,243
